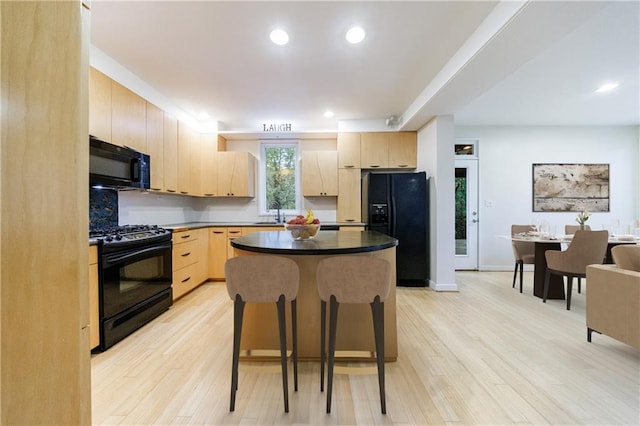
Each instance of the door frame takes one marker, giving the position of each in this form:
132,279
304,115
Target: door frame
470,260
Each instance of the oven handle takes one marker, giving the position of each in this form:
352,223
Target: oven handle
133,254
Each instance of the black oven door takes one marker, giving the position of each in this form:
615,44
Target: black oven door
131,276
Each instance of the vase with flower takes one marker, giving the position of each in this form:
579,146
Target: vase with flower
582,218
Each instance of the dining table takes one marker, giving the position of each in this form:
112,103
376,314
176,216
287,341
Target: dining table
546,241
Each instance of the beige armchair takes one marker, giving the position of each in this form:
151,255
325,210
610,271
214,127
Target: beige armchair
524,252
613,297
586,248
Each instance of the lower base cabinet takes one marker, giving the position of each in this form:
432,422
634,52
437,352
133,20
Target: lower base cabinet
190,264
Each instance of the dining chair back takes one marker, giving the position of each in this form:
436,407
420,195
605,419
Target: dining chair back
523,252
570,230
352,279
586,248
264,279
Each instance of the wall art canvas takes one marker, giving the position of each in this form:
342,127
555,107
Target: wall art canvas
570,187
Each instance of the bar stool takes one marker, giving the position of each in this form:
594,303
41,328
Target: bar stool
263,279
352,279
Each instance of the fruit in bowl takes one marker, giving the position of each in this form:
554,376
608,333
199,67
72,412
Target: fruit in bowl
303,227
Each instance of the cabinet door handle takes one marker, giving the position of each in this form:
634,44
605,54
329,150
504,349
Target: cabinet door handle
349,220
186,279
185,236
185,254
403,165
349,167
208,195
171,190
184,192
218,232
374,166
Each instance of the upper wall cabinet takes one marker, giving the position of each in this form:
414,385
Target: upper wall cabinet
403,149
155,146
170,153
209,165
319,173
388,150
99,105
188,153
128,118
374,150
236,174
348,150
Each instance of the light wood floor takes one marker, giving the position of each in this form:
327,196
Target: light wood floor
485,355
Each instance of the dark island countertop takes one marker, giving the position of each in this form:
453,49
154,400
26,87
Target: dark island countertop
197,225
326,242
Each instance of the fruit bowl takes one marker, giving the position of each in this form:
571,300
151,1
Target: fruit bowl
302,232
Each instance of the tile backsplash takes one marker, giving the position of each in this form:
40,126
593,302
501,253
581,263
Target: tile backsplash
103,208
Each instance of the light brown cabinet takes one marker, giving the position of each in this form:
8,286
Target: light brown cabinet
236,174
232,233
170,153
155,146
128,118
209,165
99,105
388,150
188,254
374,150
319,173
403,149
218,243
94,309
188,149
349,203
348,150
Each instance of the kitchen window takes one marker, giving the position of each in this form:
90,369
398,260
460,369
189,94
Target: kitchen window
279,177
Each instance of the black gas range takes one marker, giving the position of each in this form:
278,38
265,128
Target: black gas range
129,236
135,275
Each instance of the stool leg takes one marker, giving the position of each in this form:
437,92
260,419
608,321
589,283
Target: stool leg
333,321
323,323
515,274
294,332
579,285
521,269
238,310
283,351
569,291
377,310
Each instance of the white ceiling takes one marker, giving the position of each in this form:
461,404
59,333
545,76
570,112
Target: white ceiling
488,63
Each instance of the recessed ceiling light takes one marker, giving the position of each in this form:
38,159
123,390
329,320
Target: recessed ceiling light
607,87
328,114
279,37
355,35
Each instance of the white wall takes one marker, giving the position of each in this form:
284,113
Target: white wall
436,157
506,155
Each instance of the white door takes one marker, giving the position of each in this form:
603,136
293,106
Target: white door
466,234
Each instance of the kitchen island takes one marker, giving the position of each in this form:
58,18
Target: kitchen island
355,330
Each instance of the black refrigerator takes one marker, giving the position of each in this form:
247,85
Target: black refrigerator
396,204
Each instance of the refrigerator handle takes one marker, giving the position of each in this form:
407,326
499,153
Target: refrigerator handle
392,207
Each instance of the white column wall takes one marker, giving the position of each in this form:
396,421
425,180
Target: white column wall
506,155
436,156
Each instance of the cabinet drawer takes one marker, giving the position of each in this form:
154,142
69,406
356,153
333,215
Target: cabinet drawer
184,280
184,236
184,254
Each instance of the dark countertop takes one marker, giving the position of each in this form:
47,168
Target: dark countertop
197,225
326,242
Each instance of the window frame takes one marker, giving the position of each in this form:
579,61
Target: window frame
262,176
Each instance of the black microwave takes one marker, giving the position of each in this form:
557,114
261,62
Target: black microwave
119,167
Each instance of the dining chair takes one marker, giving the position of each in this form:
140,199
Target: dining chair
352,279
264,279
523,251
586,248
570,230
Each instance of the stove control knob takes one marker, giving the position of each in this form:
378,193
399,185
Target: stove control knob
108,238
118,237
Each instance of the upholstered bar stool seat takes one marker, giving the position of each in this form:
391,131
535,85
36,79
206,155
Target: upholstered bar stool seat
264,279
352,279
